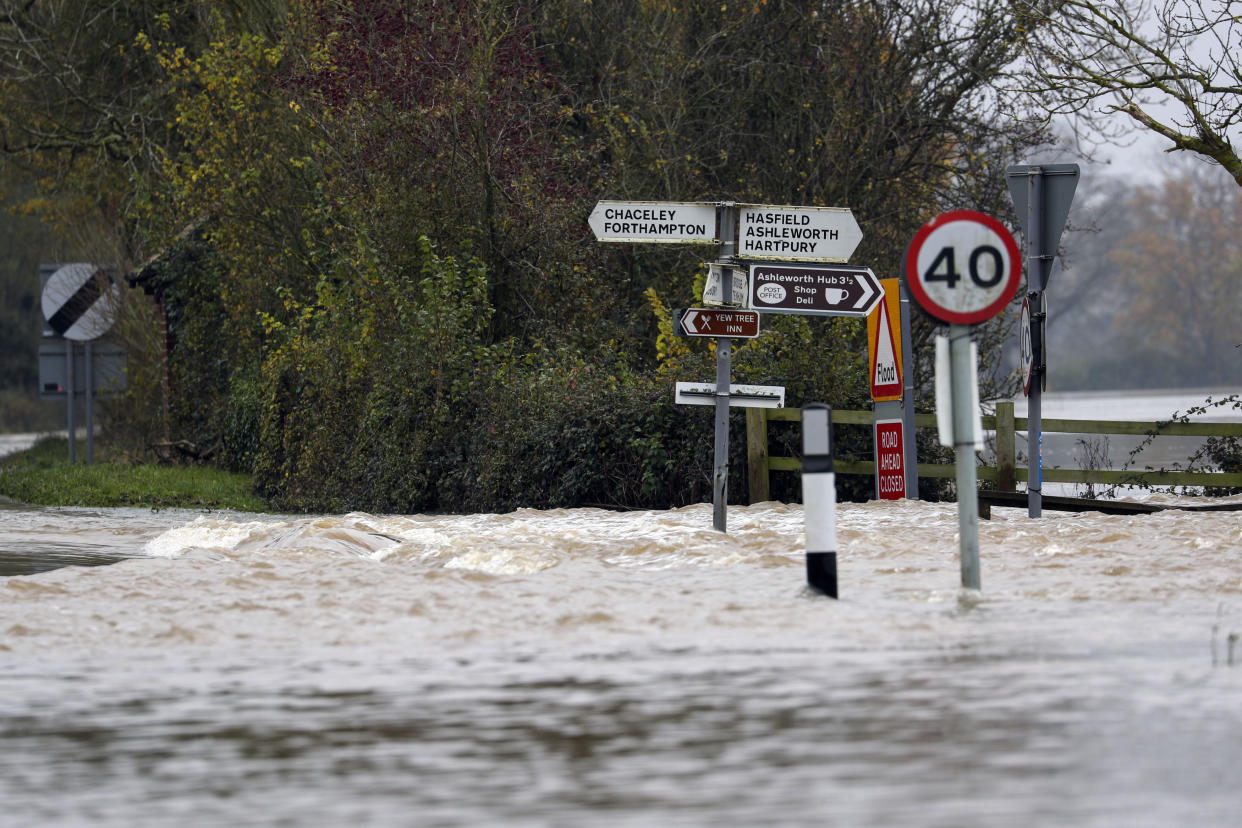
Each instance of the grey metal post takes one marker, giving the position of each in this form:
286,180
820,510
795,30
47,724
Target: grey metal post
720,476
90,403
727,218
963,367
1034,284
908,437
70,394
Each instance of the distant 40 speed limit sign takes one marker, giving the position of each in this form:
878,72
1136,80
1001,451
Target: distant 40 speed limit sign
963,267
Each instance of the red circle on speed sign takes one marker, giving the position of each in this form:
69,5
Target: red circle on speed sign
962,267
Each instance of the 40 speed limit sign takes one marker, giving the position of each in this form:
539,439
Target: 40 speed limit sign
963,267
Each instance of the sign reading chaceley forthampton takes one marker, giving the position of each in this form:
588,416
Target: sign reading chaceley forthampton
674,222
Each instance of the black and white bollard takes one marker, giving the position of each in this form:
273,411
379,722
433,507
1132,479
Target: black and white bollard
819,499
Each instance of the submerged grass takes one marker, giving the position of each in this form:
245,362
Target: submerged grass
42,476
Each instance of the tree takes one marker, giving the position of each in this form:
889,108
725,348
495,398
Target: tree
882,106
1183,277
1173,67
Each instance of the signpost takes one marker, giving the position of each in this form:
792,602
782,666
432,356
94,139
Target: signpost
745,233
1042,195
79,303
892,393
741,324
806,289
804,234
963,268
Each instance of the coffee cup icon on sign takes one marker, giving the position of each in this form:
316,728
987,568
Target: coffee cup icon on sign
834,296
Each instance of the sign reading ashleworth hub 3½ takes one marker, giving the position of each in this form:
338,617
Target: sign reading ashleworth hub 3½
792,256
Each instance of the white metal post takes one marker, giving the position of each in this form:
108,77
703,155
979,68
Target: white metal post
819,499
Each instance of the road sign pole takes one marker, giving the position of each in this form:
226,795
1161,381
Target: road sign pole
727,220
71,397
1034,283
964,439
963,267
90,403
720,474
907,398
1042,195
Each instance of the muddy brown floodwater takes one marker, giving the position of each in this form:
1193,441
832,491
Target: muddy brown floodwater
585,667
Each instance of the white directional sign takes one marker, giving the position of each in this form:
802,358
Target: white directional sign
80,302
802,234
747,396
684,222
962,267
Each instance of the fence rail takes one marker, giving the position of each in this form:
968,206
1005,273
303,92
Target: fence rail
1006,472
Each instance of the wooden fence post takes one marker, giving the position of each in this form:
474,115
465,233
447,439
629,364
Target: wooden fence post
757,453
1006,451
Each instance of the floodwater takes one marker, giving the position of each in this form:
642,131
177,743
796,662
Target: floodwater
583,667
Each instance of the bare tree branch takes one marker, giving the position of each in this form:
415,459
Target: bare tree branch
1174,67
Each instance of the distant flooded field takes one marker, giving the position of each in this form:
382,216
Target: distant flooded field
1114,451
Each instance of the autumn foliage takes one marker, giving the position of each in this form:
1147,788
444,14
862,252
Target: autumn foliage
366,222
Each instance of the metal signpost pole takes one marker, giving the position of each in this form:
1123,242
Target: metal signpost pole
70,395
89,393
720,474
964,439
963,268
80,302
909,444
1042,195
1034,432
724,350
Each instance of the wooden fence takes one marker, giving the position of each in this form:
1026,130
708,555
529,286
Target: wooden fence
1006,472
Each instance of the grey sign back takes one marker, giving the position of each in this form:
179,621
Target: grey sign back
1054,193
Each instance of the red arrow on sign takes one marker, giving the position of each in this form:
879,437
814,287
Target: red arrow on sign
712,322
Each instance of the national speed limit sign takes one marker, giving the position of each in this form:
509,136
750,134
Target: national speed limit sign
963,267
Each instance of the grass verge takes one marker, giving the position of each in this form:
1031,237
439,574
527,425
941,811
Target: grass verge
42,476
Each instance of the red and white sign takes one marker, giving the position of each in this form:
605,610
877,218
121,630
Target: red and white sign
1027,355
890,460
884,344
743,324
963,267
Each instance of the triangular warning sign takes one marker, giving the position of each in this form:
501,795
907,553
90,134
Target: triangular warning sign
885,365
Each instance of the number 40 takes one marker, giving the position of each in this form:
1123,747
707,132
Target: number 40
944,267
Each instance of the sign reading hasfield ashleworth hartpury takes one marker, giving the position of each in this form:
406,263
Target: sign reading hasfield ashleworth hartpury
671,222
803,234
